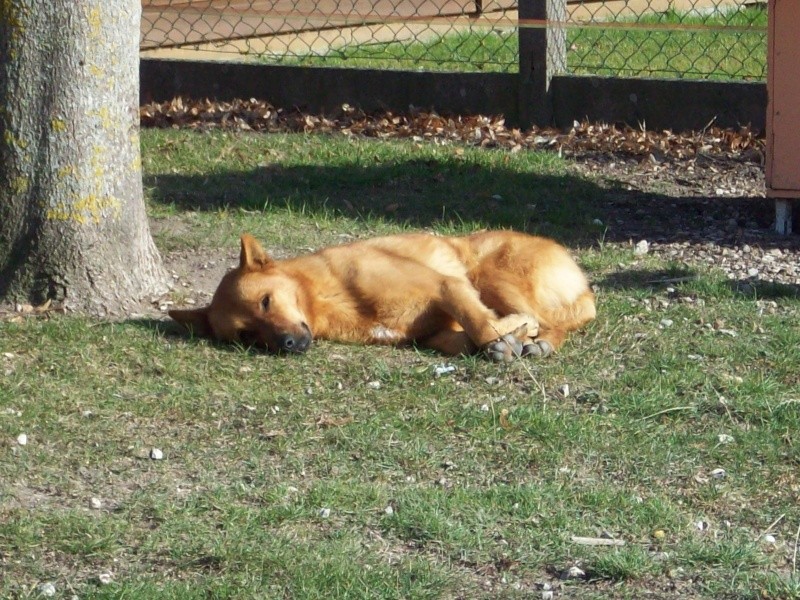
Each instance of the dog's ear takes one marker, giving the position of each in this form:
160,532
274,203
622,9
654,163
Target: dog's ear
195,320
252,255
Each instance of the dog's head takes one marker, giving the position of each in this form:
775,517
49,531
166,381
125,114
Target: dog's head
255,304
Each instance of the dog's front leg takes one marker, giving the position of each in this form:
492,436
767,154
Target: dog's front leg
503,338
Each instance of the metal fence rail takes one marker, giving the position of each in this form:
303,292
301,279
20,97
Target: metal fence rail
720,39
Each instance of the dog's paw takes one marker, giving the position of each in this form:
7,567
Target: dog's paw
508,347
537,348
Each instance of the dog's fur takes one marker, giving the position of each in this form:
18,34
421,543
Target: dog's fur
504,292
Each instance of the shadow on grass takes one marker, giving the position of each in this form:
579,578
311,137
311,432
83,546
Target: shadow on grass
424,192
417,193
661,279
647,278
171,330
765,290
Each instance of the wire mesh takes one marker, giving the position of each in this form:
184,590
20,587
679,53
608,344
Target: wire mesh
722,39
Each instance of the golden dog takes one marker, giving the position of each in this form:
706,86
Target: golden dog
505,293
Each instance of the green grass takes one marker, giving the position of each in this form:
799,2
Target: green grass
739,53
255,447
716,53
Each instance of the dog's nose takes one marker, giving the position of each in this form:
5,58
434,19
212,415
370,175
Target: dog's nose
295,343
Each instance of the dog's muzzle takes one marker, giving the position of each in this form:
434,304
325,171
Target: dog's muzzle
295,343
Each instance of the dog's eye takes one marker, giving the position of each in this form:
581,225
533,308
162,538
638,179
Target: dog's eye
265,303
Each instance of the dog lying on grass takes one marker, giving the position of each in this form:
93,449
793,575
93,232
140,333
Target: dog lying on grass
504,293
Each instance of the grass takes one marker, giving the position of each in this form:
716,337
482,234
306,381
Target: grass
278,472
716,53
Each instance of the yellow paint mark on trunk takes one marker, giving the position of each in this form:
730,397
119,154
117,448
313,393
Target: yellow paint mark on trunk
14,14
85,209
68,171
19,185
15,142
95,22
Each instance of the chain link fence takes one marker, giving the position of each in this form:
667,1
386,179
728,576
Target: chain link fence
717,39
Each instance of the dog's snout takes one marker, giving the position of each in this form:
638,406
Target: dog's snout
295,343
287,343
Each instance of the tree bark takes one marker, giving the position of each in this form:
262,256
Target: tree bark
73,227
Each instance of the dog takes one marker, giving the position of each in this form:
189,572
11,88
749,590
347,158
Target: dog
504,293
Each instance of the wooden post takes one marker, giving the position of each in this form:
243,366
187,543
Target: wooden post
783,216
542,54
783,112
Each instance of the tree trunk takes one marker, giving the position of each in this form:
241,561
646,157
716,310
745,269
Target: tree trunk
73,227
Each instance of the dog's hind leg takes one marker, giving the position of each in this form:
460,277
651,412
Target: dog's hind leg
554,320
503,338
555,324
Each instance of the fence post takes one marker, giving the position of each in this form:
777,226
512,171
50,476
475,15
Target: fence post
542,54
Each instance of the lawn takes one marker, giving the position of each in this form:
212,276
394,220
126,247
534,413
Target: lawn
671,44
669,424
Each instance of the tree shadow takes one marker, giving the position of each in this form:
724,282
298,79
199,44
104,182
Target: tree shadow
415,193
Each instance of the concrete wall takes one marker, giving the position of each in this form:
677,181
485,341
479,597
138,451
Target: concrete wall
661,104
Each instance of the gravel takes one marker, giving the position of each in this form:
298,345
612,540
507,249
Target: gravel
698,213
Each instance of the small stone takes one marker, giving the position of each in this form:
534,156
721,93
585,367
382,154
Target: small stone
665,323
22,439
156,454
95,503
388,510
484,408
547,595
573,573
104,578
641,248
724,438
440,370
325,513
752,272
768,538
563,389
718,473
47,589
492,380
597,222
374,385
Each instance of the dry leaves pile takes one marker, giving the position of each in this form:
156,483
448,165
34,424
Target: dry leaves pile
483,131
